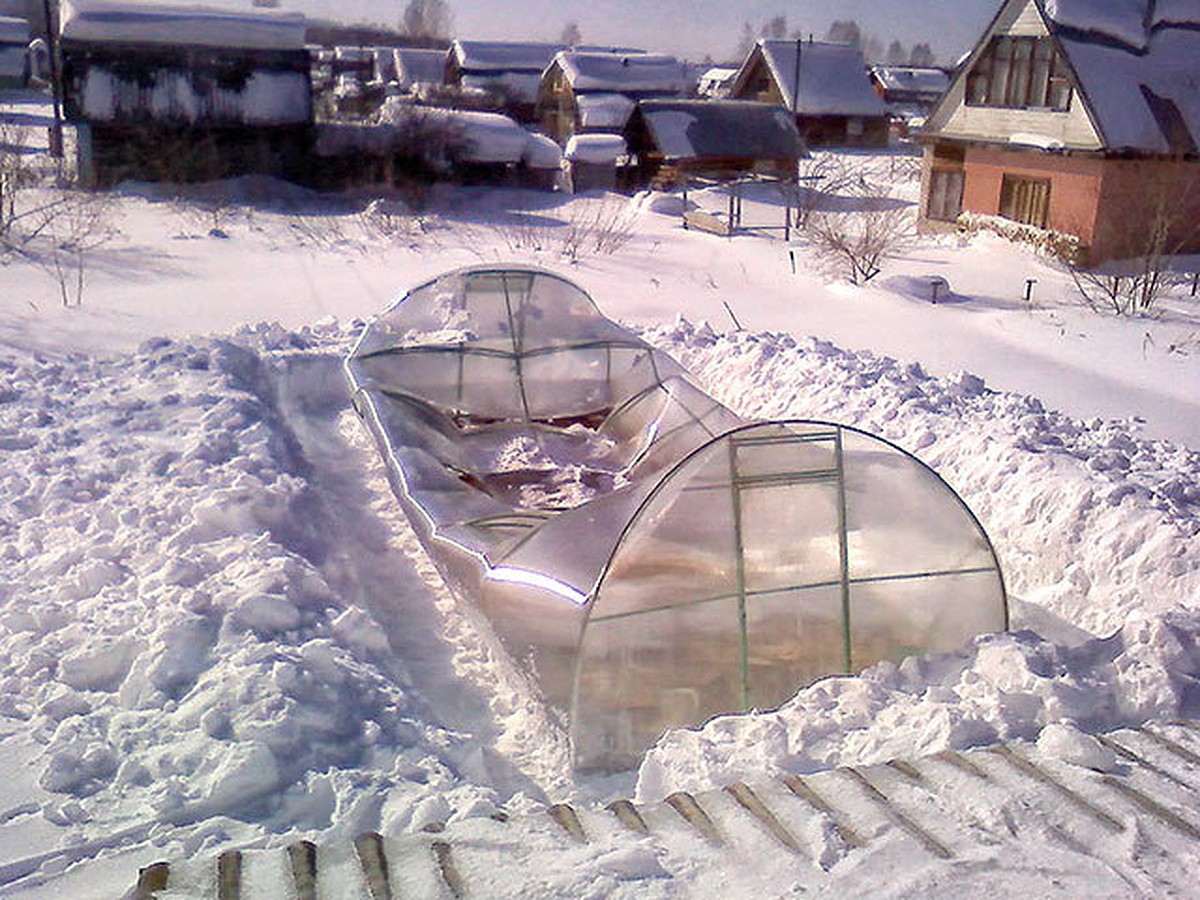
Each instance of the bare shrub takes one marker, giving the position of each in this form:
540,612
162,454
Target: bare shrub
603,226
1160,223
858,241
48,221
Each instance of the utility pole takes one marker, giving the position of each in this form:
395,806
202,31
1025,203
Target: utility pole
56,131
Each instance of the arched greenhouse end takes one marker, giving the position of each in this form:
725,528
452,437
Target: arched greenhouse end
654,558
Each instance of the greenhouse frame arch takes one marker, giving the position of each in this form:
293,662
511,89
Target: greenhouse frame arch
655,559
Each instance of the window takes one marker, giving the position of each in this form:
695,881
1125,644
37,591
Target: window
945,194
1025,199
1019,72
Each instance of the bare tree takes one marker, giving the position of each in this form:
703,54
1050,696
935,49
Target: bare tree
858,240
745,42
896,54
571,35
775,28
845,32
426,19
921,55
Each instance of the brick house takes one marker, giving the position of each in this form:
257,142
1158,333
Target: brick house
1075,116
825,86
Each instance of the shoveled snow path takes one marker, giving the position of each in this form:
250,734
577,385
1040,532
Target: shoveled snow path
376,561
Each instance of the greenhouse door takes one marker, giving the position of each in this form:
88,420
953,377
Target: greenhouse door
788,492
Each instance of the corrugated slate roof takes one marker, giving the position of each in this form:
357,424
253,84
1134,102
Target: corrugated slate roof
700,129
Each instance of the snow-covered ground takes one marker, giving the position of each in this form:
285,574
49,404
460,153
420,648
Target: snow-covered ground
216,627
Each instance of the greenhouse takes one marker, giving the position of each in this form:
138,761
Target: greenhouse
652,557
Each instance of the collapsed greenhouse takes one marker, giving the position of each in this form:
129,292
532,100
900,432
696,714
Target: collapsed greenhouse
652,557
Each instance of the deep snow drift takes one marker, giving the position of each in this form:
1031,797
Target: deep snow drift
217,628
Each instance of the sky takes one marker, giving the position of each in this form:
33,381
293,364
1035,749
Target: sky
691,29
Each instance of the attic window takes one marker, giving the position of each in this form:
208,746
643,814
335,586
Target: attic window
1019,72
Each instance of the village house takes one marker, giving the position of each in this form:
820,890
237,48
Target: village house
1077,117
416,67
14,51
184,93
909,93
589,92
674,140
824,85
508,71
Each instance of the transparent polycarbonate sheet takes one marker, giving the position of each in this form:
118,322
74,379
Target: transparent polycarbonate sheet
789,535
793,638
652,558
567,383
902,518
895,619
642,674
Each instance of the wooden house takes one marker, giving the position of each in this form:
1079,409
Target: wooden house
718,139
1074,116
506,70
591,92
14,51
909,93
824,85
183,93
417,66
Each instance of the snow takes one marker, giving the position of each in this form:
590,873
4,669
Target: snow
1119,20
175,24
503,56
599,149
217,628
931,82
604,111
1030,139
833,78
541,152
642,73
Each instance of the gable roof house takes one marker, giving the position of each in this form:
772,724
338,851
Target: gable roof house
512,71
720,139
588,92
909,92
1075,116
163,91
824,85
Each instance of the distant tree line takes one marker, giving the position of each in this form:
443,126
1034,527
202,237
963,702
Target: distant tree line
842,31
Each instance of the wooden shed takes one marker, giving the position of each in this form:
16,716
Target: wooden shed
508,70
184,93
718,139
824,85
585,92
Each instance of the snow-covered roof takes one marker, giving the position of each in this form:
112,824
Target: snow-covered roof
833,78
13,30
503,56
912,79
419,66
180,24
624,73
541,152
691,129
1138,67
602,111
521,87
600,149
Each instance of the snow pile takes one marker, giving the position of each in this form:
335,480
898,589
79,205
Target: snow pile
1003,687
1089,522
169,632
596,149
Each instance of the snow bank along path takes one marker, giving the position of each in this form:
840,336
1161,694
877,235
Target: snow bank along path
211,617
1094,816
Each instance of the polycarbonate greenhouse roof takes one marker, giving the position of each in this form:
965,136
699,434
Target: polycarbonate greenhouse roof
655,558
